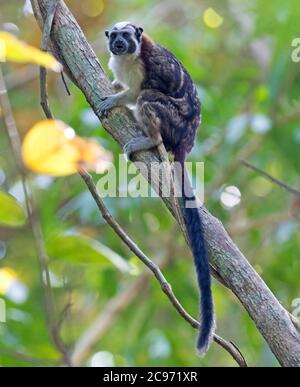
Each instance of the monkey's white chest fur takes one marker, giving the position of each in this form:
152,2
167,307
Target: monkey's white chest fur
128,70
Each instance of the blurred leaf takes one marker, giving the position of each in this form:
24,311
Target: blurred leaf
52,148
11,212
137,266
13,49
78,248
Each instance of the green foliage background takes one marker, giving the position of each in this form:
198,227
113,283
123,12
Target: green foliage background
243,67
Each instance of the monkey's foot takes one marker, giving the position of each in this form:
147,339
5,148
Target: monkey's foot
138,144
106,104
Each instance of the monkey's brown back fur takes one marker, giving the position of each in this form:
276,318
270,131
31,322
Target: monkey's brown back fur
169,96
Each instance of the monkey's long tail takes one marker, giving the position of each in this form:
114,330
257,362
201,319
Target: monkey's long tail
194,228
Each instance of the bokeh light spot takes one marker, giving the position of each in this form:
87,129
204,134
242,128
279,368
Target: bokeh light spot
212,19
92,8
260,186
103,359
7,277
231,197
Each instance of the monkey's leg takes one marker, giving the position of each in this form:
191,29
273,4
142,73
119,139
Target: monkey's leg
150,112
139,144
153,113
159,116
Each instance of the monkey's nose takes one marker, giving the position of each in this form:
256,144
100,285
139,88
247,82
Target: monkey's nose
119,45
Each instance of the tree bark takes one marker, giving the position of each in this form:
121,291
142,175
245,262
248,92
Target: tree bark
70,46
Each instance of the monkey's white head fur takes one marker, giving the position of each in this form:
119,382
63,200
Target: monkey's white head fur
123,24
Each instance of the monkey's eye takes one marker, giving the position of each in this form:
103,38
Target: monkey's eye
125,35
113,35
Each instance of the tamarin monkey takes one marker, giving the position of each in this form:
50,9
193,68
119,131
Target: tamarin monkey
167,107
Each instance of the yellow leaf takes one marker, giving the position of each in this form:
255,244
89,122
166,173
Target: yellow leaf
90,152
212,19
52,148
13,49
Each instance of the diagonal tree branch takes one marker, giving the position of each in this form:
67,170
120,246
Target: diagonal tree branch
84,69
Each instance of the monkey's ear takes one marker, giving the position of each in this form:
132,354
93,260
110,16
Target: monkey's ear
139,31
107,34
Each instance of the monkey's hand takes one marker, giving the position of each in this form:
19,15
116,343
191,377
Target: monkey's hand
107,103
118,86
120,99
139,144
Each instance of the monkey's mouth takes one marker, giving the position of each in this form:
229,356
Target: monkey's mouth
119,49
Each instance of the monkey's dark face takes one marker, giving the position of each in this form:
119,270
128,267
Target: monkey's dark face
124,38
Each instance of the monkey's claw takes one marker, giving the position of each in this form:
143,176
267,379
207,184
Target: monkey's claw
106,104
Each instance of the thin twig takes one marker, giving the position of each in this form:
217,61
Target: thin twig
64,314
104,321
26,358
282,184
114,307
43,71
226,172
44,94
237,228
33,219
45,105
65,83
165,286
